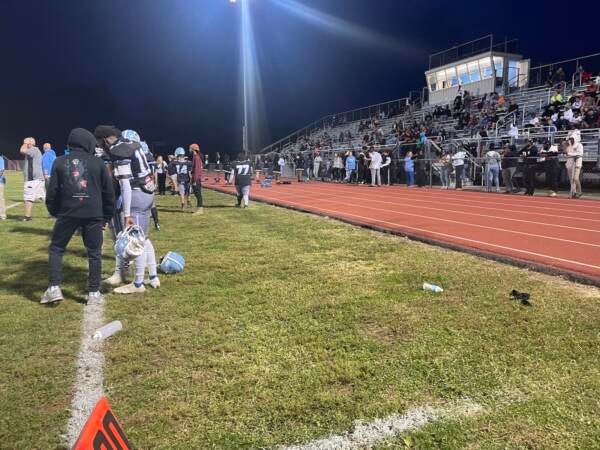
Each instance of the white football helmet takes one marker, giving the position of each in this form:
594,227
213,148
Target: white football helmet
130,243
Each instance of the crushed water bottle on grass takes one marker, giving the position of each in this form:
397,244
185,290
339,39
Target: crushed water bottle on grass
108,330
432,288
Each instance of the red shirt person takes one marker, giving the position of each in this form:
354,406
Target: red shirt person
197,177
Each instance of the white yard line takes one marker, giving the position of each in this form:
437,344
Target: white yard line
13,205
90,362
368,434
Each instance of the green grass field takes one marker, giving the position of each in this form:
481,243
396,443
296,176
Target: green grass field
285,328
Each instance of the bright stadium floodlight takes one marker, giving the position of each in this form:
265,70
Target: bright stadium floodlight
344,28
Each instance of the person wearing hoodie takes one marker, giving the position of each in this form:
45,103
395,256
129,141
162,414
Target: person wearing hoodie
47,160
80,195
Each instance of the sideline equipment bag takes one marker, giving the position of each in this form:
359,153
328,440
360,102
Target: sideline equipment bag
172,262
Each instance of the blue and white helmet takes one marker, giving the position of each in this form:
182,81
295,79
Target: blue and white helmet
130,243
131,135
172,262
179,151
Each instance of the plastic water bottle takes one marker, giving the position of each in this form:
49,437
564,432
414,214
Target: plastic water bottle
108,330
432,288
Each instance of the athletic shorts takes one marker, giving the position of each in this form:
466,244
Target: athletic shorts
184,188
34,190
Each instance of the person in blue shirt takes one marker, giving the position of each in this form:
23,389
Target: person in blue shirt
409,169
47,160
350,167
2,181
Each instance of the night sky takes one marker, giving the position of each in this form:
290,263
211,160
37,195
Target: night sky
170,68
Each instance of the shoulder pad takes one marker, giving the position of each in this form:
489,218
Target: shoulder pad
123,150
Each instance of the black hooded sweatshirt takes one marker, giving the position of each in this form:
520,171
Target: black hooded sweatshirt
80,185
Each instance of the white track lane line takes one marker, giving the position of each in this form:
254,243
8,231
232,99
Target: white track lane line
505,230
455,211
517,200
449,236
471,204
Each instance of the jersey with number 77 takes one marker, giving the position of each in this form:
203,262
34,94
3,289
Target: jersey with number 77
243,173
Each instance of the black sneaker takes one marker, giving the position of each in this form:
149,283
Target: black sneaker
26,219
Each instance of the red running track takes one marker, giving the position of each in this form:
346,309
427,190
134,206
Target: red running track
555,235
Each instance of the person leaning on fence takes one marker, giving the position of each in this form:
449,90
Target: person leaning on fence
350,167
574,165
386,168
530,155
549,156
445,168
492,168
2,184
458,162
375,168
510,161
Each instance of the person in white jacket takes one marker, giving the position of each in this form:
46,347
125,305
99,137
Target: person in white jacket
317,165
574,164
375,167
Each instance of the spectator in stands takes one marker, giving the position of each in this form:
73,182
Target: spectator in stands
574,164
510,161
350,167
492,167
47,160
558,77
581,76
409,169
386,168
34,176
530,154
557,99
458,162
513,132
2,184
549,156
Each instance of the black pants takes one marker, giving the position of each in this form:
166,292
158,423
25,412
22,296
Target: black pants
198,193
91,232
552,174
385,175
162,183
458,173
529,179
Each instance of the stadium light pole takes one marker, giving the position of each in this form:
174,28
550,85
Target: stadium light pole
244,30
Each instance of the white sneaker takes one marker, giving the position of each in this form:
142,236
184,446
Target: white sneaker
154,282
52,295
130,289
115,279
96,297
